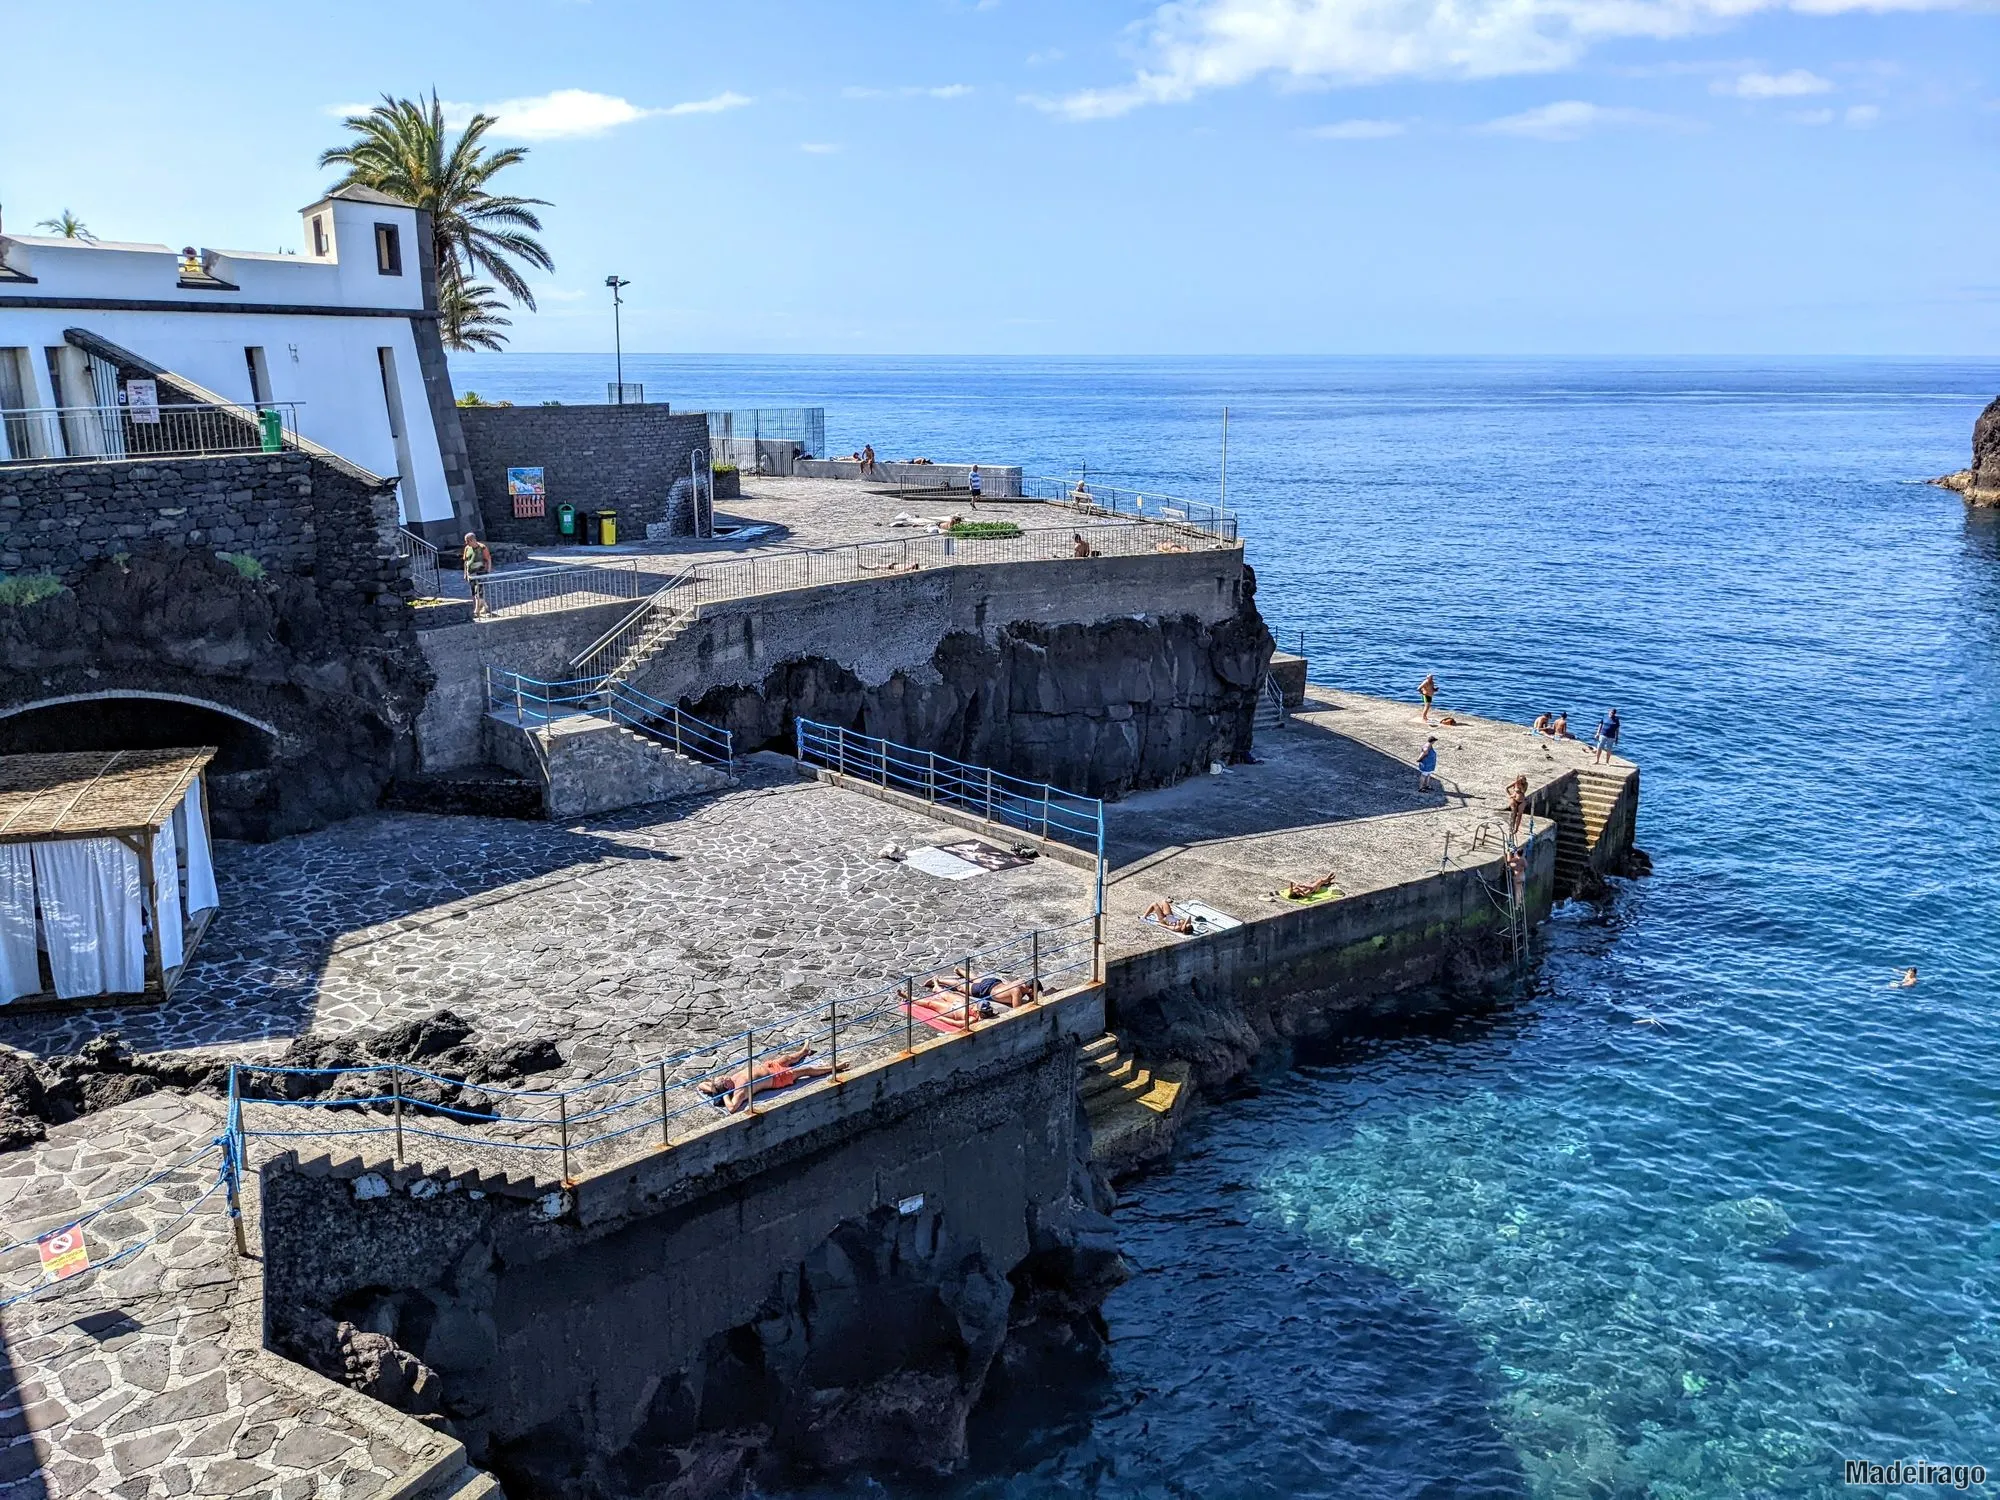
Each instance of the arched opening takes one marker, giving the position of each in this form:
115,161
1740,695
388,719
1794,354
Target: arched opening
138,721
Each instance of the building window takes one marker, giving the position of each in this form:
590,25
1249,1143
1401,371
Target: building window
319,234
388,250
260,376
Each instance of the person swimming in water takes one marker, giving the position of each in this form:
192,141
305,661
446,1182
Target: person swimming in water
1908,979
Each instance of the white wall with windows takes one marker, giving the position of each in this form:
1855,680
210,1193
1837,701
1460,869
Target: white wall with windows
329,329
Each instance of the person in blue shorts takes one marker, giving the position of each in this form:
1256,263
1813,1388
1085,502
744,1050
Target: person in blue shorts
1427,765
1607,736
974,483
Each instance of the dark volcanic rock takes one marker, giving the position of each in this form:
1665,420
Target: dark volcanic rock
1984,488
440,1043
371,1363
1103,709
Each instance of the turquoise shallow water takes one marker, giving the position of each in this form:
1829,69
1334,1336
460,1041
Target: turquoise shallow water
1704,1206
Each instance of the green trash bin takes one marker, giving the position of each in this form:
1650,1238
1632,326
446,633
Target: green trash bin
273,424
566,522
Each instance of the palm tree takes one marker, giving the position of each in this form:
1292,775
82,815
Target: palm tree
403,148
68,225
469,312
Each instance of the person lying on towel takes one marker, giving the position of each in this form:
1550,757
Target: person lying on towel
1306,892
1163,913
779,1072
988,989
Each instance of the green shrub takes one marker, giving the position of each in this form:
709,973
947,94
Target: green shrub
243,563
725,468
23,589
976,529
470,398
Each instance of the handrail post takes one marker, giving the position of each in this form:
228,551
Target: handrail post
396,1088
989,794
966,1009
833,1033
749,1070
909,1014
1035,966
232,1161
562,1112
933,783
1045,812
663,1104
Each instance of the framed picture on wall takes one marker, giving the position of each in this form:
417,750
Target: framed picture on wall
528,492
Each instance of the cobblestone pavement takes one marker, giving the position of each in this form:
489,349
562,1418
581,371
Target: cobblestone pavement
619,938
1335,791
144,1379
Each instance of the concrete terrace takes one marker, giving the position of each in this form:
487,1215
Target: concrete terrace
619,938
1337,791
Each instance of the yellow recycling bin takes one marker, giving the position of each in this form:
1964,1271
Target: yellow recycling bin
607,521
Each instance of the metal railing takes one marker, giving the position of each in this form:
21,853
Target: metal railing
671,1095
534,591
779,571
804,425
47,433
422,559
536,702
1090,497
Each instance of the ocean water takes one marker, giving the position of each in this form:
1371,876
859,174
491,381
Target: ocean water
1704,1206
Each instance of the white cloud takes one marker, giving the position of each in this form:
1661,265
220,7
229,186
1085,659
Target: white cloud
1792,85
1861,116
711,106
1358,130
1191,46
1040,59
912,91
1811,117
563,114
1571,119
818,148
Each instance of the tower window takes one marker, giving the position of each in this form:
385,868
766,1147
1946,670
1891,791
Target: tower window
388,250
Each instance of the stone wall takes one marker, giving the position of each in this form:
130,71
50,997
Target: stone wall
1219,1002
1099,674
320,650
622,458
843,1298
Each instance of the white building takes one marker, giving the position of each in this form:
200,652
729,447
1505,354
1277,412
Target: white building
342,337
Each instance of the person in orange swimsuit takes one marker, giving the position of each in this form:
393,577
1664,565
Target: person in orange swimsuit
779,1072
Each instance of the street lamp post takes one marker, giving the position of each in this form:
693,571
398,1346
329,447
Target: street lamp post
617,333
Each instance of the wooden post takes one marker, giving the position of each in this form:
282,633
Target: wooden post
156,956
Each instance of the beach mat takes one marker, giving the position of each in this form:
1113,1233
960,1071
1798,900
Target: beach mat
986,856
1207,919
942,864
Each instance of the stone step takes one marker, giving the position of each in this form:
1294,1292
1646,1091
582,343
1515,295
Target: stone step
1104,1048
467,1483
1121,1080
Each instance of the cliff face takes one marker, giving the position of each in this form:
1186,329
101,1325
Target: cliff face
1984,488
1102,709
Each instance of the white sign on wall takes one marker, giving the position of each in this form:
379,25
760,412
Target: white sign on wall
142,401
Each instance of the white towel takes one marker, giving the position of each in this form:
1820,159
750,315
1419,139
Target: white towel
167,896
201,894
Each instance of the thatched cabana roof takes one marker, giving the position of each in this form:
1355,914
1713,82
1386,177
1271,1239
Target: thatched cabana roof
93,793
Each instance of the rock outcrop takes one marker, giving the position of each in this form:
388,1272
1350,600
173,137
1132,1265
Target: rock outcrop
341,679
1102,709
1984,486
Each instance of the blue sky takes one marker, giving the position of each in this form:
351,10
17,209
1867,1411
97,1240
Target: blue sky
1028,176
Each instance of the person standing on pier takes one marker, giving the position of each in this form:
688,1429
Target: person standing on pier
1428,687
1607,737
973,482
1427,765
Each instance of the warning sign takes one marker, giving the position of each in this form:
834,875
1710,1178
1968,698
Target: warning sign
63,1253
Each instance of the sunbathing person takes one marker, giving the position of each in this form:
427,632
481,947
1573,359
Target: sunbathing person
1560,728
1163,912
779,1072
1541,724
988,989
1296,892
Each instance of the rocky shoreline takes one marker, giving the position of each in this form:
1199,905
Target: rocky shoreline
1980,483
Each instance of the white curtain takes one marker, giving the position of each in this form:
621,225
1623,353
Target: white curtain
20,971
193,831
167,895
91,898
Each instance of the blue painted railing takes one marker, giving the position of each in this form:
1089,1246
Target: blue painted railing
537,702
1031,806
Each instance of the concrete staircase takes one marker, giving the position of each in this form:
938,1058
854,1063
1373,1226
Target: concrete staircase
589,763
1270,714
1598,790
1133,1111
656,631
